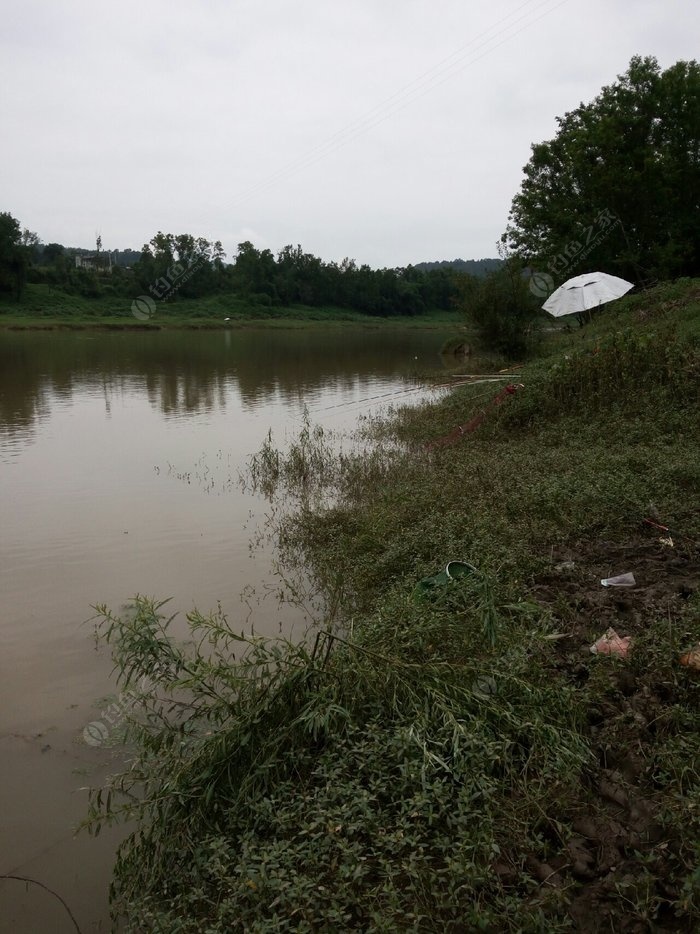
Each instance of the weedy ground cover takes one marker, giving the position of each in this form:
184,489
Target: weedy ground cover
455,760
46,308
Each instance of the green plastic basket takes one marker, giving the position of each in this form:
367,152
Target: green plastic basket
433,586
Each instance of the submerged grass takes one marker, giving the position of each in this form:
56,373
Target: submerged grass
456,759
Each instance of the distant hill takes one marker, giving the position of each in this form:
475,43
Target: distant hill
474,267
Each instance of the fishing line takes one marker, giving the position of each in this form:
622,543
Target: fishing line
348,402
368,400
29,881
392,394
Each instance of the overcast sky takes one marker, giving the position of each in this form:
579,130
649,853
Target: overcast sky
388,131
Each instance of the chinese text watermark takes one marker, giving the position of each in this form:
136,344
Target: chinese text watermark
97,732
542,283
144,307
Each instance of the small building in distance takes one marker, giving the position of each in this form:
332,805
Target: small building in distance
101,262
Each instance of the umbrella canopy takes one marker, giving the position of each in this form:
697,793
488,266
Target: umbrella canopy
584,292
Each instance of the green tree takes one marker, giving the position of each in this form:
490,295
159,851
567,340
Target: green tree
179,264
254,273
619,186
501,308
52,252
13,255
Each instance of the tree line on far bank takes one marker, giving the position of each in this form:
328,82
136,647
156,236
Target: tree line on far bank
183,266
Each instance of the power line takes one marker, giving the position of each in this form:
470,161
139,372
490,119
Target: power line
440,73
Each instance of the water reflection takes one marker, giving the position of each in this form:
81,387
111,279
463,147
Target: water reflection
187,372
112,446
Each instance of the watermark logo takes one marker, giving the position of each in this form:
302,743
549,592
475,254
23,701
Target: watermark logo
541,284
144,306
97,733
574,253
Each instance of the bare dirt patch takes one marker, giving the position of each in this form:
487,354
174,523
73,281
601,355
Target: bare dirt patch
621,860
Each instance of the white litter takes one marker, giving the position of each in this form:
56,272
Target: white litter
622,580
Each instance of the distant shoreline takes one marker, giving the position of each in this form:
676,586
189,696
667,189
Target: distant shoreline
47,309
31,323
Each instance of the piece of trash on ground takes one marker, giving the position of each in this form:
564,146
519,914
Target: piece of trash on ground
565,566
691,659
670,532
622,580
612,644
666,541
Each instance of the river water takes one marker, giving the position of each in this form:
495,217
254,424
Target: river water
119,462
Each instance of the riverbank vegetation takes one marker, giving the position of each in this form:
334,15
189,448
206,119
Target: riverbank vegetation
43,308
184,276
450,757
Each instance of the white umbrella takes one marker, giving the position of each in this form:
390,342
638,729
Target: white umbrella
585,292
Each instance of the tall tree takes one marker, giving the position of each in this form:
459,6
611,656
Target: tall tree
13,254
619,186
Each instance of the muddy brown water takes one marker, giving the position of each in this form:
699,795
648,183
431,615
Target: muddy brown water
119,461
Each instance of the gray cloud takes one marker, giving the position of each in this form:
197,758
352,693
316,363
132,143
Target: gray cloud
390,132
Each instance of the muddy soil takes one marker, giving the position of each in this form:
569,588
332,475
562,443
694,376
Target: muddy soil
621,861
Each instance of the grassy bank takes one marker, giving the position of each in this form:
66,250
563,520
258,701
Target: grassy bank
48,309
452,758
